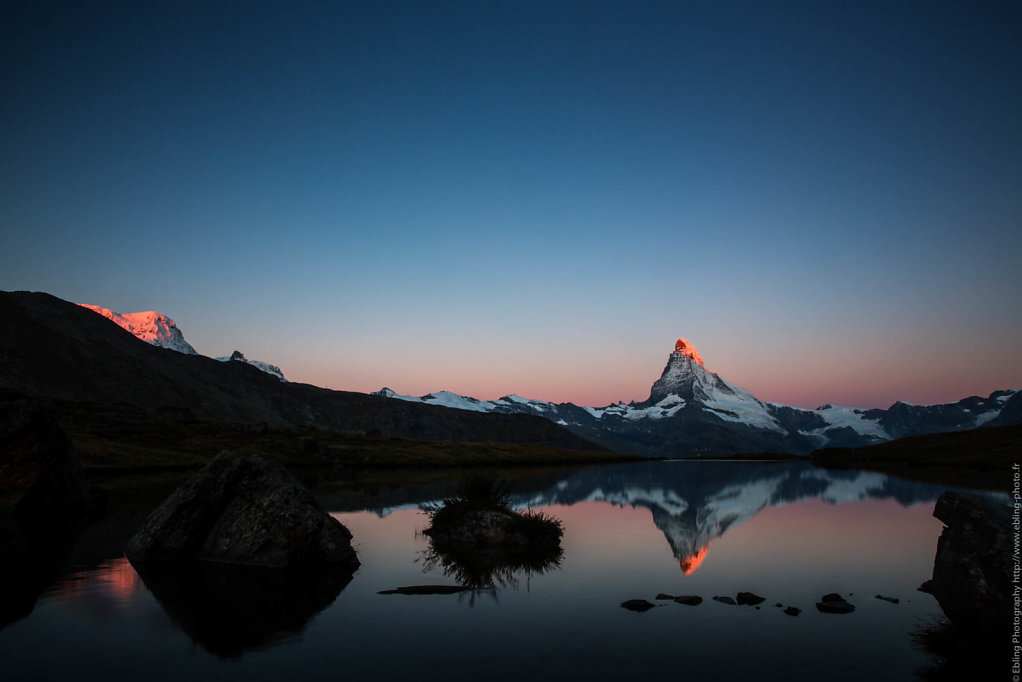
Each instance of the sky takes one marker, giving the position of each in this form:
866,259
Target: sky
533,197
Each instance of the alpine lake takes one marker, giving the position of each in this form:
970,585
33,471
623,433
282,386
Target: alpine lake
786,531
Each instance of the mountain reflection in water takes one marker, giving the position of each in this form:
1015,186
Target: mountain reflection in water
692,502
786,531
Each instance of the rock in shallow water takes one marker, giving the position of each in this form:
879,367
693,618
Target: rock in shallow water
689,599
246,511
750,598
637,605
725,600
972,568
834,603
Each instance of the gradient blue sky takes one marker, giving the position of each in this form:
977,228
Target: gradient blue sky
533,197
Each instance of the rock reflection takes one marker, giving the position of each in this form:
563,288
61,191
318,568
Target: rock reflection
229,610
484,570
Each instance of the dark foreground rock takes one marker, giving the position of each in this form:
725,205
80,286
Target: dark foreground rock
41,476
246,511
971,569
689,599
834,603
792,611
639,605
45,502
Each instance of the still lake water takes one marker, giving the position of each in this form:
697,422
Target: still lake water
786,531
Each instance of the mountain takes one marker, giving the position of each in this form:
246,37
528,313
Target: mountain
159,330
273,370
53,349
150,326
694,412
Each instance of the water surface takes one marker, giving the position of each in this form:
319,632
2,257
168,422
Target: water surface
786,531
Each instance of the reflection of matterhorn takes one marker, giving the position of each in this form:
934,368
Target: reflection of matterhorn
693,507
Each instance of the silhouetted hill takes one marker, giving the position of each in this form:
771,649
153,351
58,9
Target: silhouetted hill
977,457
50,348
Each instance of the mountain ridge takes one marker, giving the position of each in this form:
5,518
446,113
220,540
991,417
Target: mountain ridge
54,349
692,411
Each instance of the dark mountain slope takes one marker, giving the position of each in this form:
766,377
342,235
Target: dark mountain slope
50,348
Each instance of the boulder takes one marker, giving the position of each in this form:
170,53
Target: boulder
972,578
245,511
41,476
725,600
792,611
663,596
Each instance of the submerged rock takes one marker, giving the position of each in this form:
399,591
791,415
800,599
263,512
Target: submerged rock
247,511
427,589
663,596
893,600
834,603
972,579
792,611
725,600
689,599
639,605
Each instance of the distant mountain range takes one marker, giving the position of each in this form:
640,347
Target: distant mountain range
159,330
56,350
692,411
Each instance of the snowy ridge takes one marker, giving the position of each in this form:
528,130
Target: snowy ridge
159,330
152,327
686,389
273,370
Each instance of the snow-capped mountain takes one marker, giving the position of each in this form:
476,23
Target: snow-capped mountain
159,330
692,411
150,326
237,356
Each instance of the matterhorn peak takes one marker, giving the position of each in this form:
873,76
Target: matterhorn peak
688,350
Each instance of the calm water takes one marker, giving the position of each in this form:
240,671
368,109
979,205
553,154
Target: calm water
788,532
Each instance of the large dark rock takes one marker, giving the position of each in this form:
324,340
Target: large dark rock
41,477
246,511
971,569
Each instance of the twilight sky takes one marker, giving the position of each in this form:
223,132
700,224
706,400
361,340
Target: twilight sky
533,197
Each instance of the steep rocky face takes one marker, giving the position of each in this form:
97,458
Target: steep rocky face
971,569
243,511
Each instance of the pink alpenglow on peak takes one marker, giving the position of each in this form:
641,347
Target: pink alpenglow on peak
688,350
150,326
